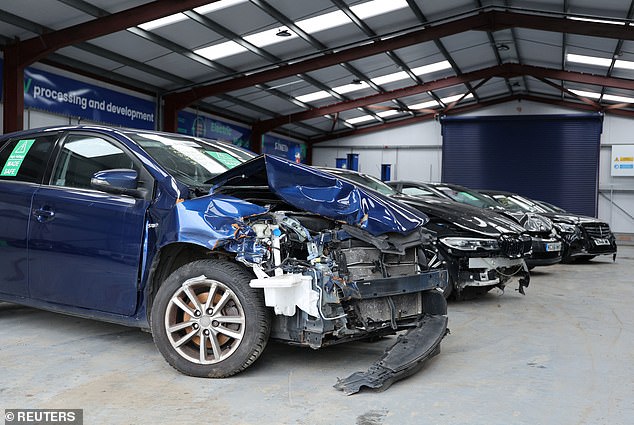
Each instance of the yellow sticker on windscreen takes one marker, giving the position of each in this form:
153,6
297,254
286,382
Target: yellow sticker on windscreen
14,162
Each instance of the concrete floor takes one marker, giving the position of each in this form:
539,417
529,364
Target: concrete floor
562,354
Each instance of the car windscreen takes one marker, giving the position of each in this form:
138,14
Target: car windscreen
192,161
367,181
517,203
468,197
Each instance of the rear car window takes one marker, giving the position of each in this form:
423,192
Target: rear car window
24,159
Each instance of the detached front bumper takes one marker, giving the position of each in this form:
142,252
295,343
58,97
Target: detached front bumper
408,354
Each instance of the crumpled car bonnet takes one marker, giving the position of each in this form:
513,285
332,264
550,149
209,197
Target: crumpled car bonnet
319,192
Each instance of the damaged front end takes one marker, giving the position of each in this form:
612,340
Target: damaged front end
363,267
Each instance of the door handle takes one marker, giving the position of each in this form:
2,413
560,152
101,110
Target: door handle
43,215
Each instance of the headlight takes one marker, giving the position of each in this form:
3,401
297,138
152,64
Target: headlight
566,228
471,244
537,223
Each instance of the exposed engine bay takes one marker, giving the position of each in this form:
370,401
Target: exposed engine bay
326,286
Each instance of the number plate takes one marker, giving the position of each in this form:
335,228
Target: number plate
555,246
601,242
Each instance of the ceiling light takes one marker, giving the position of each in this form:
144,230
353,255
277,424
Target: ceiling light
619,99
389,113
161,22
283,33
356,81
432,67
451,99
623,64
588,60
600,21
377,7
588,94
424,105
322,94
360,119
502,47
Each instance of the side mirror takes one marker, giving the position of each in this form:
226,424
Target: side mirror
119,181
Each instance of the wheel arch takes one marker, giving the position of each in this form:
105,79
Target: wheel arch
173,256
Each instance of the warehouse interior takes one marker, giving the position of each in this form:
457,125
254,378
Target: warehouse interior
384,84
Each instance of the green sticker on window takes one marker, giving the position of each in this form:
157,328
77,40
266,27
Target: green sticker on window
13,164
224,158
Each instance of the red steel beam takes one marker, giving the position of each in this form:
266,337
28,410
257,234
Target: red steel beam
509,70
493,20
464,109
38,47
21,54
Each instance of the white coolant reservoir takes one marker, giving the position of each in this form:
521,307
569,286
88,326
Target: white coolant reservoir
285,292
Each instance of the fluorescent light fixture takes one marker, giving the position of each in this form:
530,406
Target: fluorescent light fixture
432,67
362,118
600,21
389,113
608,97
268,37
623,64
313,96
618,99
323,22
347,88
588,60
221,50
161,22
390,78
377,7
384,79
450,99
177,17
212,7
588,94
310,25
424,105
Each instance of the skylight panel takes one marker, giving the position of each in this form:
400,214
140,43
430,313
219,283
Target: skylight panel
588,60
377,7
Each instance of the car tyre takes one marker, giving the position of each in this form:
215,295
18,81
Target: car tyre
207,321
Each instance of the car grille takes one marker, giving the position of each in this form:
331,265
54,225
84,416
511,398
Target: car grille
515,246
597,230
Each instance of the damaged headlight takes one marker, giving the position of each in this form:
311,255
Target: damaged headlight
471,244
536,223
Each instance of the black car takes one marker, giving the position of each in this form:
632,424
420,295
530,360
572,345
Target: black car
584,237
546,241
483,249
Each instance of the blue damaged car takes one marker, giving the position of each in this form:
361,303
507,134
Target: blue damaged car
214,250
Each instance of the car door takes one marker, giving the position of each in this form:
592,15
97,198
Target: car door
84,244
22,164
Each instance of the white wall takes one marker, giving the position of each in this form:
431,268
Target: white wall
415,152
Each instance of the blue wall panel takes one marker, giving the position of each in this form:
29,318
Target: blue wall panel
554,158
